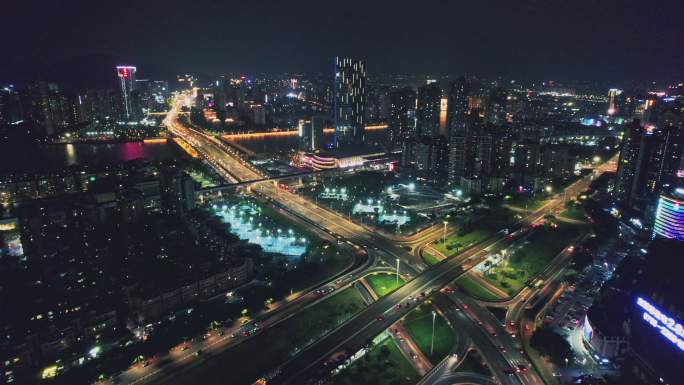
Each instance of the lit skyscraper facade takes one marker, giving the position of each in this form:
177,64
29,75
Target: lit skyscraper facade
669,219
613,94
458,133
628,163
311,133
349,101
429,104
401,116
126,76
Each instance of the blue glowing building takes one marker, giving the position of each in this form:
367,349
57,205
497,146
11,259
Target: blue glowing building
669,219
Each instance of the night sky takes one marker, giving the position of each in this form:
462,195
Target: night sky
80,40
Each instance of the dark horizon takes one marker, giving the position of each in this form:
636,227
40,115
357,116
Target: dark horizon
608,41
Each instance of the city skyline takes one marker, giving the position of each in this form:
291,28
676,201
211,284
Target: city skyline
377,193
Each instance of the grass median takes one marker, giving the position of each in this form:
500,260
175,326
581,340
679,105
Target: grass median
418,323
382,365
473,363
575,213
383,283
249,360
475,290
533,257
455,243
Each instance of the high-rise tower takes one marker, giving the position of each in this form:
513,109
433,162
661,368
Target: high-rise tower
126,76
349,101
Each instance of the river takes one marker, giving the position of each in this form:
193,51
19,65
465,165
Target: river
273,144
50,157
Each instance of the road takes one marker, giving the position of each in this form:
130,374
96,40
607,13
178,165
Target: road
354,334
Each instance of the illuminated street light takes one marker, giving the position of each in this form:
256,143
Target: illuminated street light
397,272
444,236
549,189
432,342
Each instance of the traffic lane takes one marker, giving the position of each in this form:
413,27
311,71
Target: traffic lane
465,378
267,319
361,329
509,346
491,353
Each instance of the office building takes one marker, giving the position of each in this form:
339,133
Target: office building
613,95
47,109
496,106
311,133
349,101
402,120
657,319
627,163
429,104
11,112
459,135
430,156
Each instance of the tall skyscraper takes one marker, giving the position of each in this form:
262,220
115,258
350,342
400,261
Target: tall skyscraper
349,101
457,111
429,104
666,161
613,94
401,116
47,108
127,81
627,164
311,133
495,109
11,112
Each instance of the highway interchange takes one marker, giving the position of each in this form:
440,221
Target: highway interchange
501,352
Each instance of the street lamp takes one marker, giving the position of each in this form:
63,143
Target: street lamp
397,272
444,236
432,342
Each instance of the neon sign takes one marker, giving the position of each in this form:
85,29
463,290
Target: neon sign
668,326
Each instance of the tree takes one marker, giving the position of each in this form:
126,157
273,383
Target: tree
517,257
581,259
384,352
551,344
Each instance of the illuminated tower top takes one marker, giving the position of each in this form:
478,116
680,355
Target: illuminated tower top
126,76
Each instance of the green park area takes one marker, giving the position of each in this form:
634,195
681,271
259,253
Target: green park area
275,344
473,363
531,203
383,283
418,323
382,365
471,229
575,212
474,289
430,258
532,258
457,242
374,198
